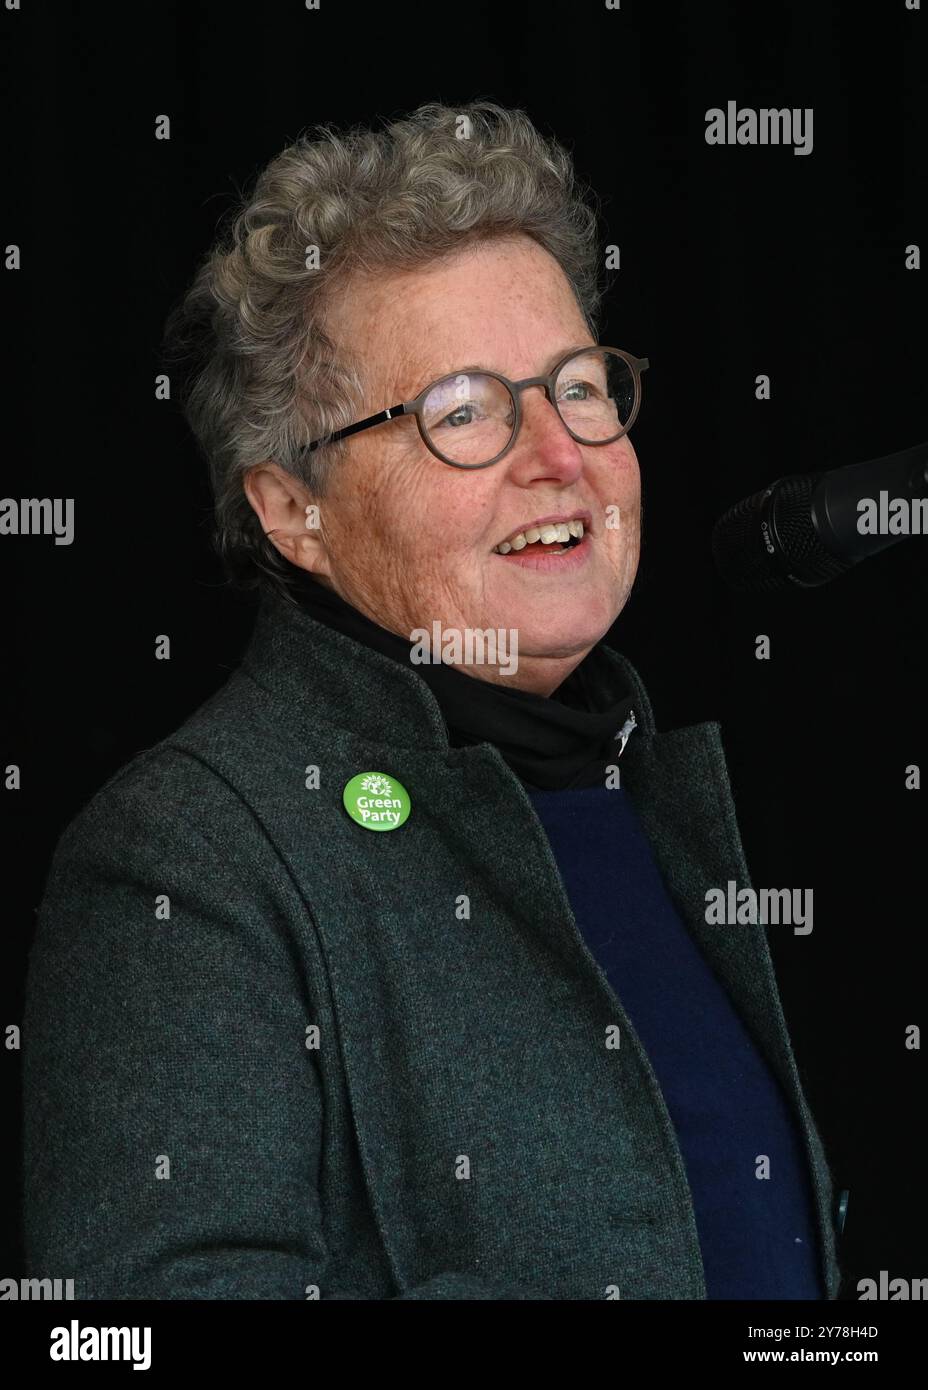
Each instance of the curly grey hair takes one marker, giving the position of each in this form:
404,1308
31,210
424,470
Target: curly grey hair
262,379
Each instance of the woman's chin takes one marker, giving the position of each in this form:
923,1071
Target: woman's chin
563,625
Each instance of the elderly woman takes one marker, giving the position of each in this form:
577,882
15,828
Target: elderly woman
388,974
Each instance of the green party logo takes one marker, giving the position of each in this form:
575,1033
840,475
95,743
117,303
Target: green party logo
376,801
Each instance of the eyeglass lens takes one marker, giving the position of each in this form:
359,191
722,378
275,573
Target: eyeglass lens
469,417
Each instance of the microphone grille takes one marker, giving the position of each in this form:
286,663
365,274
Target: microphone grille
740,548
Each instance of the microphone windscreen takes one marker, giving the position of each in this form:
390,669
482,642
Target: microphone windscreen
768,542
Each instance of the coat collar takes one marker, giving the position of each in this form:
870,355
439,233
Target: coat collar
369,695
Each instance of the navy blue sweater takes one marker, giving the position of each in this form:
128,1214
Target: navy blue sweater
757,1235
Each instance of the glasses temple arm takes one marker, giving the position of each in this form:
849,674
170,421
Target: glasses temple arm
390,414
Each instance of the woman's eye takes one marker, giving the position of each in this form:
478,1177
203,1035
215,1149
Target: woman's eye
461,415
583,388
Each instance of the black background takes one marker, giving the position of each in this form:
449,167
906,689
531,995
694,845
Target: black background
735,261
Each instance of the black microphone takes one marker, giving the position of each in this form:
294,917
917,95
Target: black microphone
805,529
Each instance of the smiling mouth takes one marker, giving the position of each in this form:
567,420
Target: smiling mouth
552,538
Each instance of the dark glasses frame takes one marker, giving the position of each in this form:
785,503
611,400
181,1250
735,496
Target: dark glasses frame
515,388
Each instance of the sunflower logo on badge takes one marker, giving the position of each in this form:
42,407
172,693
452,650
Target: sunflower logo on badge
376,784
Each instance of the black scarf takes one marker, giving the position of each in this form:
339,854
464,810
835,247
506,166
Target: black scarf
549,742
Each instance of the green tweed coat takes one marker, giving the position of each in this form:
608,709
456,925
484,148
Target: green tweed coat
266,1056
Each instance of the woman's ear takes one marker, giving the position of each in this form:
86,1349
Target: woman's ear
289,516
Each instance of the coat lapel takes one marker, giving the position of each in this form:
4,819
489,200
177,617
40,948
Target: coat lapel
679,784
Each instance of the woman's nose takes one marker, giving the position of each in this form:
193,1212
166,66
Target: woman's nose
543,440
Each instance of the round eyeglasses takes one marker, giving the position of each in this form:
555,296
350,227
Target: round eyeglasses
471,419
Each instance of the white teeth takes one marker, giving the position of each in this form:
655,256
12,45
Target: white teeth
548,534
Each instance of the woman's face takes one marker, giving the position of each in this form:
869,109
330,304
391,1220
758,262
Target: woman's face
408,540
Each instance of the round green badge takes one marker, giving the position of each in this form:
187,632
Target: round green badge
376,801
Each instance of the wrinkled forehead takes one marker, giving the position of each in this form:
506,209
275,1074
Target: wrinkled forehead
503,305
